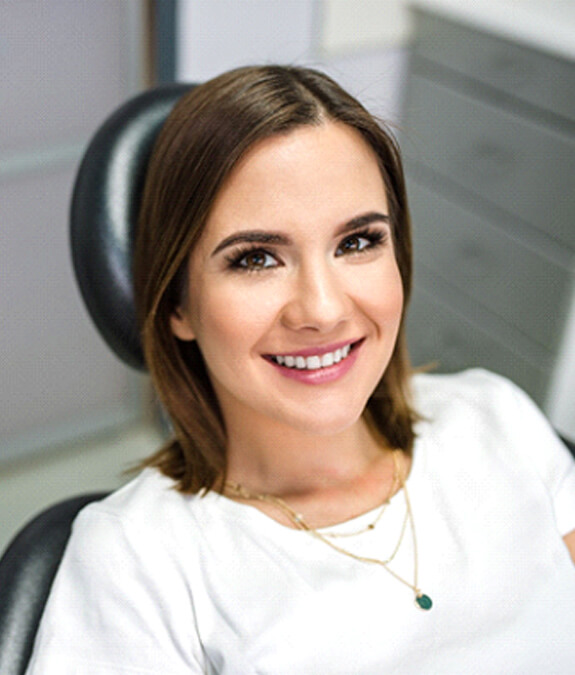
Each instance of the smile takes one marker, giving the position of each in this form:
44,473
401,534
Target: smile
314,362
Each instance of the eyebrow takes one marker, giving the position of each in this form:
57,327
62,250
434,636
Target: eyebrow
280,239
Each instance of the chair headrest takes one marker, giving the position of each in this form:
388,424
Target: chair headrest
104,211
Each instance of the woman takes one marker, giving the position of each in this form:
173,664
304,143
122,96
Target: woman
320,509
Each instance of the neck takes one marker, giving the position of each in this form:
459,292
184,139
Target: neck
288,462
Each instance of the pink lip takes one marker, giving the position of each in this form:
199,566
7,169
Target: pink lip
318,351
321,375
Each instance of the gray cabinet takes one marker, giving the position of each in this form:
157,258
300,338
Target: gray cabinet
489,141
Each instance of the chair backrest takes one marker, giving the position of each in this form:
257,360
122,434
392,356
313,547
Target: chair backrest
27,570
105,206
570,444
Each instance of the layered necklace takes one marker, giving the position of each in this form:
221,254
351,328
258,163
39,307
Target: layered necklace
422,600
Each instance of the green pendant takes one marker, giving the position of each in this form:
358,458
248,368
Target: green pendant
424,601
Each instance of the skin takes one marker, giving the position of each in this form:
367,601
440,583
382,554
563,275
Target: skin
569,540
321,282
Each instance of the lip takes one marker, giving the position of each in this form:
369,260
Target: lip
321,375
317,351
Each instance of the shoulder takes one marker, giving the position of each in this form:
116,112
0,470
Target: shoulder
475,393
471,382
484,415
495,424
123,598
147,493
142,537
145,512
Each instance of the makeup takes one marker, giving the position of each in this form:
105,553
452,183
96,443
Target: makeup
318,365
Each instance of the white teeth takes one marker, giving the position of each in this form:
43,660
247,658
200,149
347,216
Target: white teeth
327,360
313,362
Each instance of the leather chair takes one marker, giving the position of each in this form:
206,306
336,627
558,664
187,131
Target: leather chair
104,207
104,210
27,570
569,444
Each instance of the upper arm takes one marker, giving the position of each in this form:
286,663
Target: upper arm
117,605
538,443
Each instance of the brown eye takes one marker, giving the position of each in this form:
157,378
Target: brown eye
353,244
257,260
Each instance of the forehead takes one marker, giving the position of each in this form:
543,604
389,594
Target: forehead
314,174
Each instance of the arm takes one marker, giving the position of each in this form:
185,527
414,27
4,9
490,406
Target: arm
118,605
559,474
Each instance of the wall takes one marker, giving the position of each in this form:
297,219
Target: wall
361,44
63,67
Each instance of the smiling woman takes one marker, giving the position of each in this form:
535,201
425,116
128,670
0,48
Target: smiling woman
316,493
282,204
320,283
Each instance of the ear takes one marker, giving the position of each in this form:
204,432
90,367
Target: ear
181,325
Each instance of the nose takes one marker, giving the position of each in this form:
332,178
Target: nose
318,300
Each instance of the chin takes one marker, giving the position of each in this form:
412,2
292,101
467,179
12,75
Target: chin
322,425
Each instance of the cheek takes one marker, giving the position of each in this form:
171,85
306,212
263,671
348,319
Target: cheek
382,294
395,299
232,316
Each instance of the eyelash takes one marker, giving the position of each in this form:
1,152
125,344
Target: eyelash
375,239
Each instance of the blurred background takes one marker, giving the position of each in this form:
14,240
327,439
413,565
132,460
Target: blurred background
482,97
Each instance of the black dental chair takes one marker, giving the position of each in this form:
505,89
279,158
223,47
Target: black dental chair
103,213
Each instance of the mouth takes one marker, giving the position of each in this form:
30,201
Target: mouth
314,361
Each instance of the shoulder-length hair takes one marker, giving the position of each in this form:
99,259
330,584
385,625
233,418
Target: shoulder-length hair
201,142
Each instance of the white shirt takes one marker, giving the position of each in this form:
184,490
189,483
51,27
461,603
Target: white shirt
158,582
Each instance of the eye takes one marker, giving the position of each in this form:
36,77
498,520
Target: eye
253,261
359,242
353,244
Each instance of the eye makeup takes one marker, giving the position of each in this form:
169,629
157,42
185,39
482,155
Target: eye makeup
253,258
264,237
351,243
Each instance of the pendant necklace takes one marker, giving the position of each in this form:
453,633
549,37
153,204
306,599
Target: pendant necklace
422,600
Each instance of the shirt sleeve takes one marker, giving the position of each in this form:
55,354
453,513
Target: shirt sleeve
547,454
118,606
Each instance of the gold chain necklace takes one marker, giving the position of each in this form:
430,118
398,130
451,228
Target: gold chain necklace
422,600
381,511
297,518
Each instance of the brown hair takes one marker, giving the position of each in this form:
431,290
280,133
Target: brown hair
206,134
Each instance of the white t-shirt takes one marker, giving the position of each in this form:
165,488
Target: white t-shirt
158,582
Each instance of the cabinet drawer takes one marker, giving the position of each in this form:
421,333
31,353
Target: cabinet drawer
510,162
515,282
533,76
437,333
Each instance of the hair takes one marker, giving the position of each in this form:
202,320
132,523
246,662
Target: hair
207,133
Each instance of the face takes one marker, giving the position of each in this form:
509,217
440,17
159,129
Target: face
294,294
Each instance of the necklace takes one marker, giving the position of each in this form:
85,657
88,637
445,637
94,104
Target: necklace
422,600
297,518
381,511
